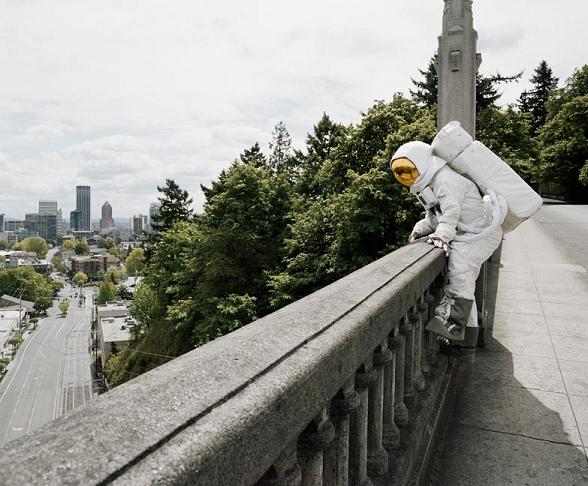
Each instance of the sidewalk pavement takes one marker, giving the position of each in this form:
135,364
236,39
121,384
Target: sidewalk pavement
520,413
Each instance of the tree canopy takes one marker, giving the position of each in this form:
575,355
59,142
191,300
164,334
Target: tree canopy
33,244
175,205
276,226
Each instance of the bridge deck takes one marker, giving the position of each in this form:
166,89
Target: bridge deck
521,411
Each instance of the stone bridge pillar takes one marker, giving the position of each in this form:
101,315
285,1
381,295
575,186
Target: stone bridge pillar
457,66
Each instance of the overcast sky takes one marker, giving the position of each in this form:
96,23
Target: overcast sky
121,94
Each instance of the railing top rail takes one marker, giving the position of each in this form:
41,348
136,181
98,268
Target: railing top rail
237,400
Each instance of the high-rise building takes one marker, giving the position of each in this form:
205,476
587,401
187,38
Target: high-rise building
83,205
43,224
47,207
75,220
50,207
60,225
137,223
106,221
1,222
13,225
153,212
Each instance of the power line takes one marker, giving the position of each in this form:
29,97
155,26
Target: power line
153,354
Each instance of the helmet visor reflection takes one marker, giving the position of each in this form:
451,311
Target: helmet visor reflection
404,171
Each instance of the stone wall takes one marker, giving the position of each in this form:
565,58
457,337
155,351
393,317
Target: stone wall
336,388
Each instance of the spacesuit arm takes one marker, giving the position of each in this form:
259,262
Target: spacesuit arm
425,226
450,195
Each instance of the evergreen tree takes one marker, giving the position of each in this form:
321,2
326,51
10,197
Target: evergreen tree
565,138
321,145
487,93
426,92
280,159
175,205
254,156
535,100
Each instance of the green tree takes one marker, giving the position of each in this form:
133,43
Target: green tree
14,342
175,205
321,145
4,245
280,159
123,292
535,100
114,275
33,244
565,147
508,133
369,215
68,244
24,281
487,93
4,361
147,307
58,264
135,262
81,247
63,307
80,278
426,92
106,292
254,156
584,174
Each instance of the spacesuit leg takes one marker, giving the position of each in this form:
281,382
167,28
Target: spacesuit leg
457,309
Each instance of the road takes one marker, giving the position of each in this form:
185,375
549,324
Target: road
50,374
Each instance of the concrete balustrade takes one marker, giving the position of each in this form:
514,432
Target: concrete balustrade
312,394
391,432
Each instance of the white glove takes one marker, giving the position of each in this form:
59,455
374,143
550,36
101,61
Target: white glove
415,235
439,242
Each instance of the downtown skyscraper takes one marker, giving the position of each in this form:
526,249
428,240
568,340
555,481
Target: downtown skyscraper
106,221
83,205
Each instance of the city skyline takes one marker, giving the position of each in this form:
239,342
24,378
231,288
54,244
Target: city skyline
40,205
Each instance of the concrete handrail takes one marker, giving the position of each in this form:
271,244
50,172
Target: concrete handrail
259,403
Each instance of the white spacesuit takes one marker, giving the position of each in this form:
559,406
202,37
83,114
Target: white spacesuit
460,221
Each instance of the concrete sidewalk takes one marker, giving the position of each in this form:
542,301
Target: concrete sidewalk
520,413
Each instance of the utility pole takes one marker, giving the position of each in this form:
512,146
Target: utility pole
457,66
20,312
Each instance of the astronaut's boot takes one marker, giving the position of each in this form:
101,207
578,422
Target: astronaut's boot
451,318
464,351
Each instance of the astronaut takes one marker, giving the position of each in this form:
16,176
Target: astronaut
459,220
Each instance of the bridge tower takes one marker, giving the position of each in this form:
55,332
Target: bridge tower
457,66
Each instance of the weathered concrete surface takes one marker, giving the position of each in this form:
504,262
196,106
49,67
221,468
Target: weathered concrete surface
520,413
457,65
222,413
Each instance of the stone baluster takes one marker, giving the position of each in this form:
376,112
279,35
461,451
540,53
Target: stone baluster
311,443
400,410
358,428
428,361
377,456
336,462
391,433
285,471
419,347
407,331
433,343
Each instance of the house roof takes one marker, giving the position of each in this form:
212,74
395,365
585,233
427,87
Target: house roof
9,301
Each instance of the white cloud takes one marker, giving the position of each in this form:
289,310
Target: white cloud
44,131
121,95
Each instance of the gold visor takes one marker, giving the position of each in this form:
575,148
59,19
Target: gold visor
404,171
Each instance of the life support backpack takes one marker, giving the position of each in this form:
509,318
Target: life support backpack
488,171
